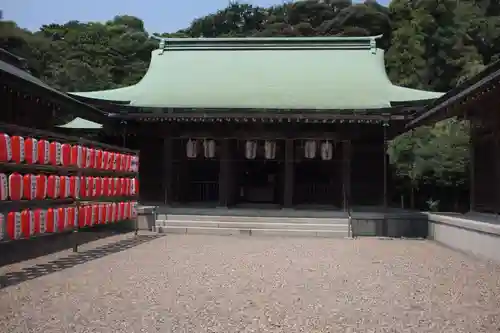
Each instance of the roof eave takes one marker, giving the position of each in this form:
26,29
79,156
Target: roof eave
438,110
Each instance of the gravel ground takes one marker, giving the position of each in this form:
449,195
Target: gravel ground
191,283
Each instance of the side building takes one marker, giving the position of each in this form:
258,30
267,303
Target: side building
267,122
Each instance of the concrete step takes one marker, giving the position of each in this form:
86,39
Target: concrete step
252,219
252,225
253,232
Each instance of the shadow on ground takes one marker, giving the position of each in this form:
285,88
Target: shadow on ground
26,249
29,273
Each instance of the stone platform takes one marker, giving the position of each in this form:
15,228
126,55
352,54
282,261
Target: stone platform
361,221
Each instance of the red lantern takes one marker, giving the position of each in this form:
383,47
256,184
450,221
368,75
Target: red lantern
65,183
114,207
65,154
121,210
91,158
13,226
5,148
76,156
93,186
118,158
15,186
4,187
62,219
55,153
124,163
84,157
53,186
93,218
105,186
72,217
116,186
17,145
82,217
29,187
135,186
84,187
109,213
41,187
52,220
128,210
27,223
114,161
98,186
40,221
105,160
102,213
31,150
74,187
111,157
122,188
43,151
95,214
88,216
98,159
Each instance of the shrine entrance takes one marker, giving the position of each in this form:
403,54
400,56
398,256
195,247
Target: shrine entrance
259,171
318,174
195,172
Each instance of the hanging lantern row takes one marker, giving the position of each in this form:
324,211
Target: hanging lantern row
193,145
311,148
269,149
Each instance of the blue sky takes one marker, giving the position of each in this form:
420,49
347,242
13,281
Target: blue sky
158,15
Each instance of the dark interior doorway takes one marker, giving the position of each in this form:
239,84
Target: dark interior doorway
260,182
318,181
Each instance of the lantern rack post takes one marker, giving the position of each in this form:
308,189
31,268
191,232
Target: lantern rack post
60,170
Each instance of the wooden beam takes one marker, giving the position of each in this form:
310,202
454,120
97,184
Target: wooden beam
289,177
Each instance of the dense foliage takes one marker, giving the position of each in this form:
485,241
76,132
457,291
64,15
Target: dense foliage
430,44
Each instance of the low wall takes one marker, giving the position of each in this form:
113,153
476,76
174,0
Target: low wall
392,225
466,234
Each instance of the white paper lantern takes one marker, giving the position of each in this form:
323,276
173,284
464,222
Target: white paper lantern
209,148
310,149
270,150
250,149
326,150
191,148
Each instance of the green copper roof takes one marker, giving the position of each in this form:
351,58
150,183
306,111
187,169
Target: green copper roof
263,73
80,123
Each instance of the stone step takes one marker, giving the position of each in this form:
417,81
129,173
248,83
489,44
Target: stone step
252,225
253,232
267,219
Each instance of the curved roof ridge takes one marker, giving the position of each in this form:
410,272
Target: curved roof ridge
230,43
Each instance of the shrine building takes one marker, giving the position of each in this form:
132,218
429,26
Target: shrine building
263,122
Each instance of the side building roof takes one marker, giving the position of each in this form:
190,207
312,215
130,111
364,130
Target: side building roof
14,75
319,73
457,100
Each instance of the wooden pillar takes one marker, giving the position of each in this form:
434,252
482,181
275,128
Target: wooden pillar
385,225
224,172
346,175
472,166
167,170
288,188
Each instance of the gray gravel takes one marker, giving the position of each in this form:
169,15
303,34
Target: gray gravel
229,284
